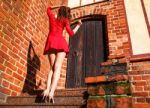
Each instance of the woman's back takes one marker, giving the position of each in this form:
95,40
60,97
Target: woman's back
57,25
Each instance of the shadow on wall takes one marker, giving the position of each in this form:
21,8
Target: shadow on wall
33,65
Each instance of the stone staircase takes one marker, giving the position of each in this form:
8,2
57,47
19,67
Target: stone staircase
67,98
110,90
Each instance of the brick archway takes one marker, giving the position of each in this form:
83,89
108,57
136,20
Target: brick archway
79,13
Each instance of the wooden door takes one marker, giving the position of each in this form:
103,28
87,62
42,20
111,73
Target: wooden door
86,53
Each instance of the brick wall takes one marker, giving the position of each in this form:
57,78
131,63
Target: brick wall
139,76
117,31
23,31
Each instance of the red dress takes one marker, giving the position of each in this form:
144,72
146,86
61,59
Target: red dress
55,38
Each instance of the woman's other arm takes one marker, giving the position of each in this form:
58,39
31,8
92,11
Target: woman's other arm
77,26
69,30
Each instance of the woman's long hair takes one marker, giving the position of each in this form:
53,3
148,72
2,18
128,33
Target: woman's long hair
64,12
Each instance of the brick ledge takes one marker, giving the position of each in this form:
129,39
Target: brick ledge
140,58
141,105
103,78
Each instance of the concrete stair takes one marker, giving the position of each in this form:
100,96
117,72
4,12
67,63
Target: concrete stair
67,98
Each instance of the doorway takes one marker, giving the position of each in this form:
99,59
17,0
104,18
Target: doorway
87,51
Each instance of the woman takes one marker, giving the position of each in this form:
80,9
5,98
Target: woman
56,47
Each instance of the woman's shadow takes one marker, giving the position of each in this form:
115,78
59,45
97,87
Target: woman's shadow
33,65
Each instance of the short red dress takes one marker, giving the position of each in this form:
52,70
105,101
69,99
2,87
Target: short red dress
55,39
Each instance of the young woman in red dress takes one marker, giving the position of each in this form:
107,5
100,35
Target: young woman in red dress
56,47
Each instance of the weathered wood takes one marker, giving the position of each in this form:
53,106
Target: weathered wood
86,53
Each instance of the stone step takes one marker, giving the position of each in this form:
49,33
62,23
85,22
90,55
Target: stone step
33,99
66,98
60,92
41,106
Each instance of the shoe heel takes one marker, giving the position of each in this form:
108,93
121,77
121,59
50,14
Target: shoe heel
52,100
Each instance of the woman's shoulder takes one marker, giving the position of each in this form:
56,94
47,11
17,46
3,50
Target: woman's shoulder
49,8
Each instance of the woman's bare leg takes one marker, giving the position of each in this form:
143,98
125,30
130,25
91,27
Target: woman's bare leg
57,68
51,57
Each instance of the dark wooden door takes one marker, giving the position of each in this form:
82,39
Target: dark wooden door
86,53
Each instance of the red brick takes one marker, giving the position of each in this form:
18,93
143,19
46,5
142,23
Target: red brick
17,82
121,102
5,42
11,66
13,93
101,91
7,77
136,72
2,67
140,94
141,105
1,60
15,88
23,56
15,45
95,79
147,88
12,61
139,83
138,77
15,50
5,84
4,55
17,76
3,23
20,72
18,36
21,32
6,37
90,79
20,66
120,90
4,48
13,55
118,78
145,77
146,66
5,90
148,82
96,103
2,15
141,100
9,28
138,88
9,71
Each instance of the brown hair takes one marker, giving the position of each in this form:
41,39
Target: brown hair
64,12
